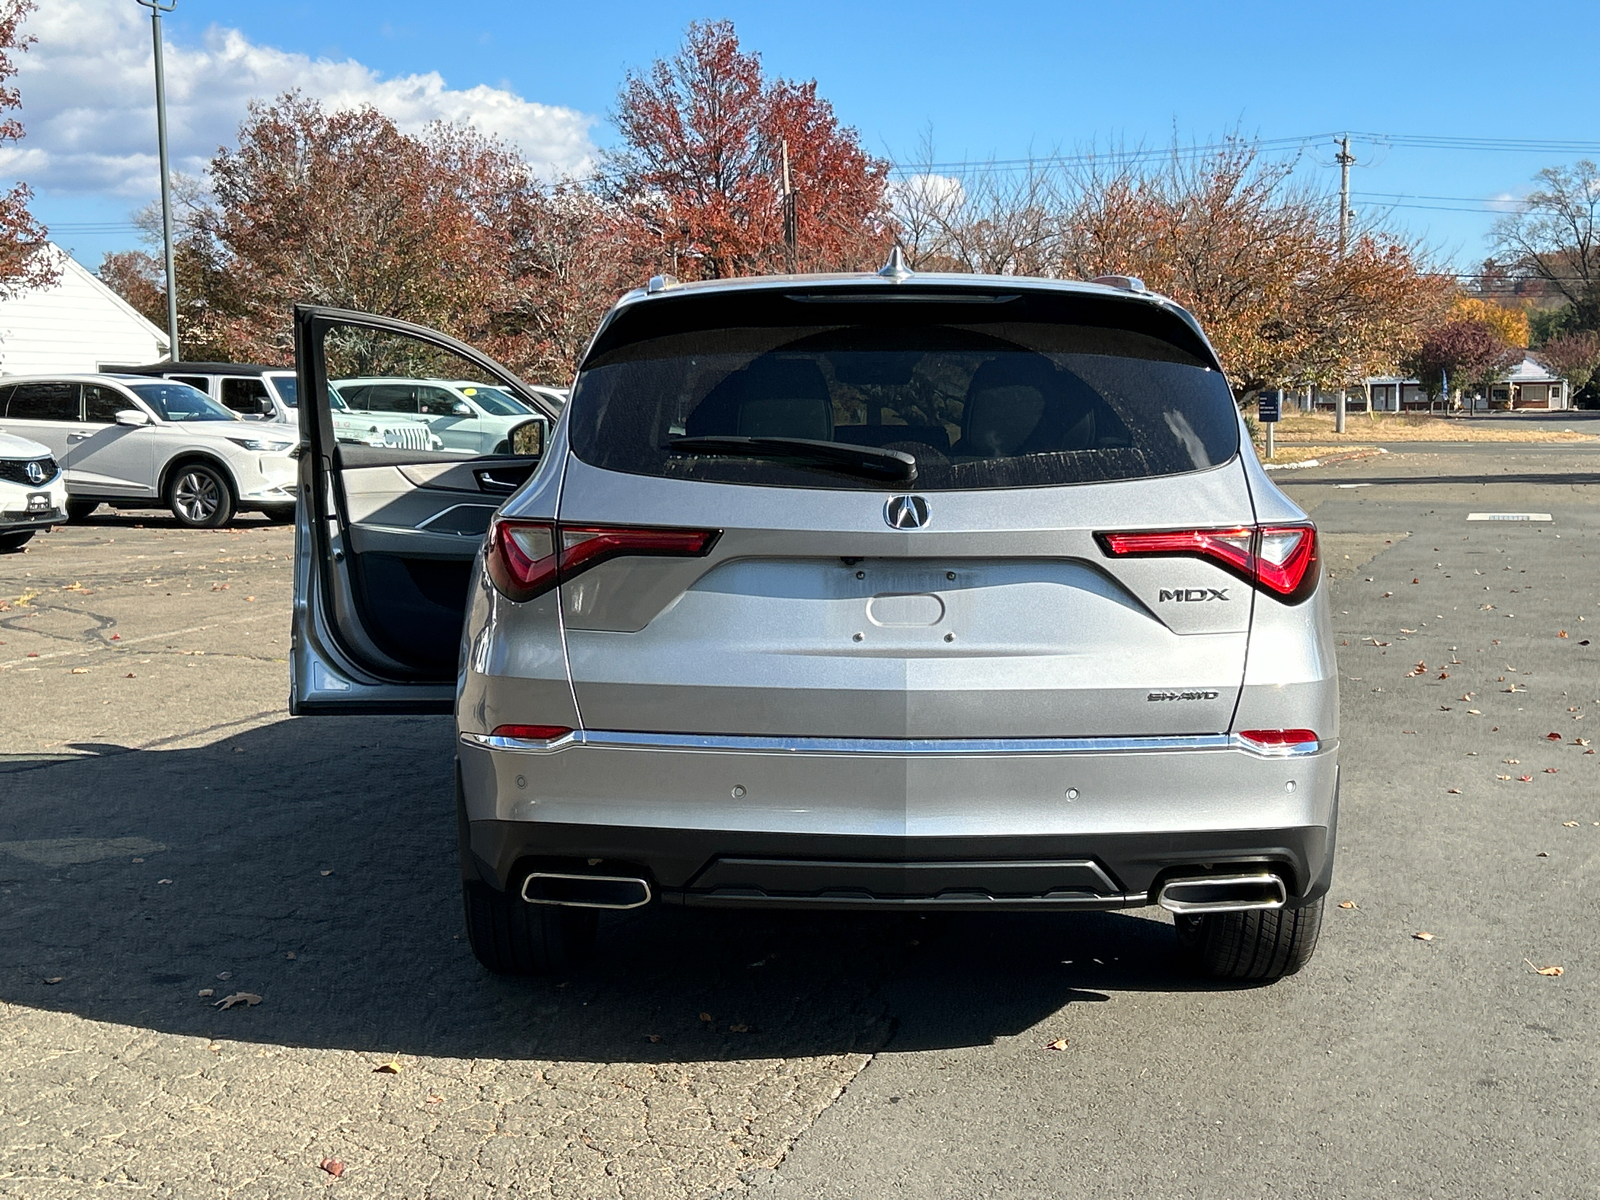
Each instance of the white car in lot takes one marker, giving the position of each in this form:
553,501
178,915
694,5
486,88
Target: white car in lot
269,395
137,442
33,491
466,415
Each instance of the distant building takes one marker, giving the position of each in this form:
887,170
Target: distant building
78,324
1528,385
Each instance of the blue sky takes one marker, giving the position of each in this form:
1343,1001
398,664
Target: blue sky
997,80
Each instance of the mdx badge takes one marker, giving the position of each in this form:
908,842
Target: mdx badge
906,512
1194,595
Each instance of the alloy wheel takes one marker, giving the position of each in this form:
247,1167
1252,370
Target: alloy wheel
197,496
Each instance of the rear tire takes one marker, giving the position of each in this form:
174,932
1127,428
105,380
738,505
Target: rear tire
10,543
199,496
1261,945
512,937
81,510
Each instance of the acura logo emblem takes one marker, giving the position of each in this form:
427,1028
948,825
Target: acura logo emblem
35,472
906,512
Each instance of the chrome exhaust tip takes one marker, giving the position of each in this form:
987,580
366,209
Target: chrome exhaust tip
1222,893
585,891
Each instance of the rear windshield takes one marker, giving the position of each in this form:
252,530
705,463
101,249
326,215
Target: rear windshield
977,404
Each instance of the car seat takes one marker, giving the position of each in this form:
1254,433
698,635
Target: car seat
775,396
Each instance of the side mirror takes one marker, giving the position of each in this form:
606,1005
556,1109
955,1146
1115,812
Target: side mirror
132,417
527,440
461,409
264,406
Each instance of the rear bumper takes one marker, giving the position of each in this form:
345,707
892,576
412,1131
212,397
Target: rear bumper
942,826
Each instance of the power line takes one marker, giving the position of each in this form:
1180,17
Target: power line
1142,154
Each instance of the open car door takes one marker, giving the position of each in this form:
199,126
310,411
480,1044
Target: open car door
389,521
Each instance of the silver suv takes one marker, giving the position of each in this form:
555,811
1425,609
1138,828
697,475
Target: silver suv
899,592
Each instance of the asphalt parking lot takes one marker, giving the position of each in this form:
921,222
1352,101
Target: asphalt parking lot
166,831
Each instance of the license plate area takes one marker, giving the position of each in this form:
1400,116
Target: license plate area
39,502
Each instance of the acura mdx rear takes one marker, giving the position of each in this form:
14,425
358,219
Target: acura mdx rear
899,592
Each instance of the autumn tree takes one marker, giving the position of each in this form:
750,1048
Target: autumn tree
700,172
1555,237
1573,356
1461,354
1510,323
23,264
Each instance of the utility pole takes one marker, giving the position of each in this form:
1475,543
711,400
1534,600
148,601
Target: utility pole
1345,158
791,223
156,9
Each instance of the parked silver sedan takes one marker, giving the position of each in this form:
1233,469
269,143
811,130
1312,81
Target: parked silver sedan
883,592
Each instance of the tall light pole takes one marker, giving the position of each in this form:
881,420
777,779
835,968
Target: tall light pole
156,9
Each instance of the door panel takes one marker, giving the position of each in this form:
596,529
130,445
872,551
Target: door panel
386,538
105,458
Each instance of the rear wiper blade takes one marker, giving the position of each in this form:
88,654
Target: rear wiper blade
868,461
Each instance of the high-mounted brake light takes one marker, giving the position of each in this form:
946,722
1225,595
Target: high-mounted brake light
1280,560
527,558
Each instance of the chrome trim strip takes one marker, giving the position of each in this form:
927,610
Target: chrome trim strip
884,747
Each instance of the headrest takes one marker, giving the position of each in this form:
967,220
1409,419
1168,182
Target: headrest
774,396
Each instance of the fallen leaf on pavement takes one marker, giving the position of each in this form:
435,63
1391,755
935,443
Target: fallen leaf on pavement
738,1029
332,1166
652,1038
1551,770
207,993
1058,1044
80,670
1348,904
1408,631
1511,761
389,1068
1422,935
55,979
1477,712
1552,737
1550,971
1502,777
1562,633
249,999
435,1099
325,874
1444,674
1416,581
1525,778
1386,595
1569,824
1452,791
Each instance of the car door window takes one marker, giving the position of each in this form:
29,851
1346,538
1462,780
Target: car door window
43,402
391,397
246,396
199,382
101,404
437,402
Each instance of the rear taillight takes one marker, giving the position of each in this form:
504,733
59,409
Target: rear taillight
1279,741
528,558
1279,559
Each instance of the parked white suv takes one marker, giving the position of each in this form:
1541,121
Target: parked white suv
137,442
33,494
466,415
268,394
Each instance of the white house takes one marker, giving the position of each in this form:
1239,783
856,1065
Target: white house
78,324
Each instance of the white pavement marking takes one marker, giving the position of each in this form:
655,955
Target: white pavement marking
1509,517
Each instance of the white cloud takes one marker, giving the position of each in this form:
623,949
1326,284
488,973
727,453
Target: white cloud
88,101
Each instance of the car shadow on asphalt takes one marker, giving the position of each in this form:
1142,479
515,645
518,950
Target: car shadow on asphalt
312,863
